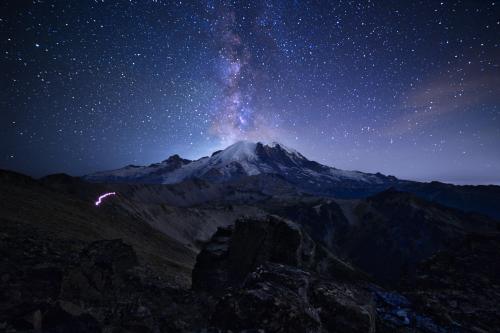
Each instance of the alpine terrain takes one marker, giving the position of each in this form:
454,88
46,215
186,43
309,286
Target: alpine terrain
254,238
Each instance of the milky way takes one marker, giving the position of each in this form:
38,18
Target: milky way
234,114
237,114
409,88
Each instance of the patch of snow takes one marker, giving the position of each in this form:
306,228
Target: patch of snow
285,148
240,151
353,175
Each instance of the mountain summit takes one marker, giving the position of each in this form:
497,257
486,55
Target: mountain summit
247,159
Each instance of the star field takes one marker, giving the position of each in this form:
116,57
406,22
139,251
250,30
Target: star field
408,88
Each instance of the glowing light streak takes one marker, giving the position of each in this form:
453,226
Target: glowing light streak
99,200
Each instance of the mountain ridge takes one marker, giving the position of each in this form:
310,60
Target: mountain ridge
252,162
246,158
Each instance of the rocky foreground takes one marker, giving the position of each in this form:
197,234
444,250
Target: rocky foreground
256,276
251,256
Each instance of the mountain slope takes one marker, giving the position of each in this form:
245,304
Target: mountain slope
385,235
30,206
244,159
274,168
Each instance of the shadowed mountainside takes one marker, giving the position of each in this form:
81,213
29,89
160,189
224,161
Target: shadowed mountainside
384,263
249,162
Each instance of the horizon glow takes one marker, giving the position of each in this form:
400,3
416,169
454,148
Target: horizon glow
101,197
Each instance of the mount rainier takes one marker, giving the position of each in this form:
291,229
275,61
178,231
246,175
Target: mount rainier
244,159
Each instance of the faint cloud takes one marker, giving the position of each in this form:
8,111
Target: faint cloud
443,96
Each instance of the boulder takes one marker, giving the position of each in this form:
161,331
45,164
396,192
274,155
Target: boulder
343,307
273,299
282,298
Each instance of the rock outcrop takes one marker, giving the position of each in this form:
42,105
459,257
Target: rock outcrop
238,250
56,286
460,287
269,275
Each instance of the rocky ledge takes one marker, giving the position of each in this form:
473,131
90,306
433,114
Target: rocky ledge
270,276
56,286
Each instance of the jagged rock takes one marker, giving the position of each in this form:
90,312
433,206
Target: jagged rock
32,273
343,307
56,285
101,270
273,299
396,313
322,219
460,287
235,252
271,276
210,271
281,298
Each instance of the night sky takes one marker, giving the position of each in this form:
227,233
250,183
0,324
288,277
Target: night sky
408,88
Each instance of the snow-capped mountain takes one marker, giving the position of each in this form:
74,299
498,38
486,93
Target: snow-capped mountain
244,159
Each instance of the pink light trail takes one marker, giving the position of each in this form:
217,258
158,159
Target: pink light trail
99,200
